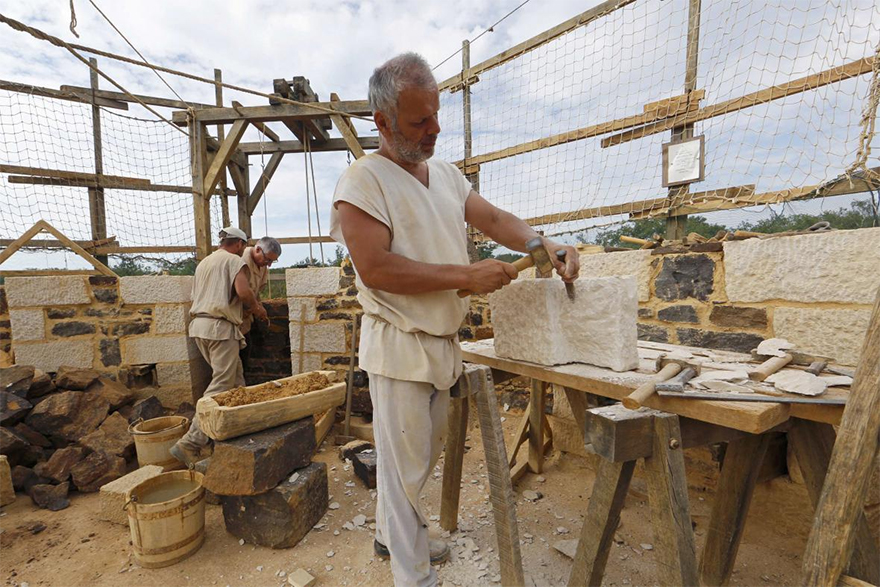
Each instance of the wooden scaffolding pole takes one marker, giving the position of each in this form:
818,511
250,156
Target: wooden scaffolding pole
201,204
221,134
97,211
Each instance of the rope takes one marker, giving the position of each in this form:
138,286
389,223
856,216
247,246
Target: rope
73,20
38,34
314,193
491,29
308,204
115,28
868,122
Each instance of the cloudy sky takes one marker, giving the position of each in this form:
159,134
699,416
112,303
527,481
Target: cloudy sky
603,71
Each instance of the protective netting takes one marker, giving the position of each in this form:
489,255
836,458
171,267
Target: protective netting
47,133
612,67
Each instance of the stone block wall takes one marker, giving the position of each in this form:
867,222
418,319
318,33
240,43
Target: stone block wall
109,324
5,324
268,357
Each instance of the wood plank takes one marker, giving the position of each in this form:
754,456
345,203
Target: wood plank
42,225
603,517
268,132
304,240
450,491
841,503
90,246
536,426
276,113
324,425
676,104
201,203
813,444
263,181
22,240
223,155
121,97
296,146
347,130
61,174
46,272
522,434
670,511
61,95
221,135
618,434
736,485
800,85
569,25
501,494
105,183
97,209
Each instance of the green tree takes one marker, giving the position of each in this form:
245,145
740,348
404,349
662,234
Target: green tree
646,229
485,250
860,214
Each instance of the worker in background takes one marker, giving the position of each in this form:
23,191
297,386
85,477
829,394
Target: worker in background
402,216
258,259
221,294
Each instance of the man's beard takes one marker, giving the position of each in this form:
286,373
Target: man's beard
408,151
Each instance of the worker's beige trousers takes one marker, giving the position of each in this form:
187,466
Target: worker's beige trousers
409,426
226,374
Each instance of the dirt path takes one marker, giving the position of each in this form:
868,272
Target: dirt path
76,549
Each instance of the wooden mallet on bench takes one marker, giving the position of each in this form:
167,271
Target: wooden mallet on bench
671,371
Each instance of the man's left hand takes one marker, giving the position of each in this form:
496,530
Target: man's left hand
568,270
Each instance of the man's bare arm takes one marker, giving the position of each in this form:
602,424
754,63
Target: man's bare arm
369,243
509,231
247,296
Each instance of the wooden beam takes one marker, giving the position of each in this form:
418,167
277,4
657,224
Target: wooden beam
241,177
201,203
120,97
268,132
251,148
97,209
41,226
46,272
304,240
60,174
263,182
56,244
112,184
569,25
347,130
61,95
452,464
213,145
221,135
223,155
275,113
800,85
536,426
833,535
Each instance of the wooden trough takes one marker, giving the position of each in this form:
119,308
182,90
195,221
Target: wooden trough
223,422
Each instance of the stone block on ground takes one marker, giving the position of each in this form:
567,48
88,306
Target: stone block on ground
23,478
535,321
348,450
12,445
146,409
280,518
31,436
300,578
96,470
41,385
112,494
74,378
116,394
364,464
16,379
111,437
50,497
7,491
68,416
255,463
57,468
13,408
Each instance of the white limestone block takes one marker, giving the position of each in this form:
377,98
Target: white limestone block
621,263
113,493
156,289
47,291
48,356
27,324
319,338
141,350
173,374
835,266
295,308
310,362
312,281
171,319
836,333
535,321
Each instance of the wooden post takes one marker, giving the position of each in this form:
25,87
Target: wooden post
536,426
244,211
474,177
451,490
221,134
675,225
201,203
97,212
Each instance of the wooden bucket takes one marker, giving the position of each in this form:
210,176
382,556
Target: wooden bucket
166,516
154,437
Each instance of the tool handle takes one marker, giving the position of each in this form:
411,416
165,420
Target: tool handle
520,264
634,240
640,395
769,367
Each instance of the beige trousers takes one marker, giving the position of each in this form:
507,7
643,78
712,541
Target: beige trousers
226,374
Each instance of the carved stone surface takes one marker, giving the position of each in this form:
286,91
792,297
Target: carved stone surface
535,321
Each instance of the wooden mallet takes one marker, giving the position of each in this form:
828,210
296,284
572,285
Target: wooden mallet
537,257
667,368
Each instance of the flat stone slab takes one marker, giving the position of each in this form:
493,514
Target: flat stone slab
7,491
113,493
255,463
535,321
364,464
280,518
50,497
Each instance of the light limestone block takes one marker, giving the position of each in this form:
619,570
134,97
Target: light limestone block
47,291
7,491
312,281
156,349
27,324
636,263
535,321
295,308
48,356
311,362
156,289
836,333
170,319
173,374
836,266
113,493
318,338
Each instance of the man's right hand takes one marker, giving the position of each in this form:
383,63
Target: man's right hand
489,275
260,312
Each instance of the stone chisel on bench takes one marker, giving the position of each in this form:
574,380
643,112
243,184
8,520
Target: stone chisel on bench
678,382
667,368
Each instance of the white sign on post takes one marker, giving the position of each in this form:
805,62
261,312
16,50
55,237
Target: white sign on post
683,162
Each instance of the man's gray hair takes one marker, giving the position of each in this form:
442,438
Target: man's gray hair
404,71
268,244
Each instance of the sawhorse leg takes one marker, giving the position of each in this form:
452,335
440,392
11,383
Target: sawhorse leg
534,429
453,461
